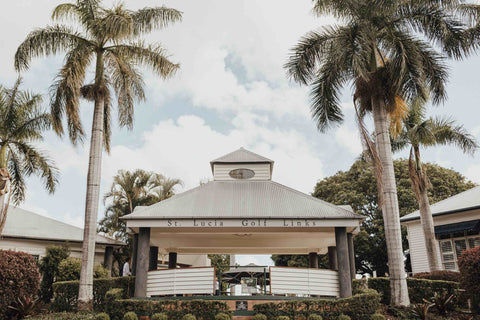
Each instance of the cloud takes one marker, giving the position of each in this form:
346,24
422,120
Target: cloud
350,139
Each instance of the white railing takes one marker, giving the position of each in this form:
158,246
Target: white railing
304,282
181,281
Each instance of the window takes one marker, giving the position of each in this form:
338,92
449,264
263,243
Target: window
242,173
451,249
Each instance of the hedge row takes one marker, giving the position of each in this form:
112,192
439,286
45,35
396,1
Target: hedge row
65,293
359,307
175,309
418,289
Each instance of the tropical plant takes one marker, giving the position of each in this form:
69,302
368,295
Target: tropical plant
442,301
417,131
106,41
382,49
22,122
26,306
420,310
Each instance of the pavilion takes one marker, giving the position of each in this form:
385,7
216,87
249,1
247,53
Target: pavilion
242,211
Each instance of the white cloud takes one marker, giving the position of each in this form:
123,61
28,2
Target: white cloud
473,173
350,139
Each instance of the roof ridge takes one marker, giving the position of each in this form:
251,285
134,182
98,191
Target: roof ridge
242,150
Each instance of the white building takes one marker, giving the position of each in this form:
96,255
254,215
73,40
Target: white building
457,227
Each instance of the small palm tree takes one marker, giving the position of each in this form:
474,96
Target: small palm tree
380,48
22,122
420,132
106,41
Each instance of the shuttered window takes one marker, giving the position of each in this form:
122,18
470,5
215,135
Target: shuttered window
452,249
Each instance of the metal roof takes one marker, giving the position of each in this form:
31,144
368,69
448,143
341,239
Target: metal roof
242,156
242,199
463,201
24,224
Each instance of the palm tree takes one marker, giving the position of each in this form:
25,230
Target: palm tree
106,41
380,49
22,122
419,132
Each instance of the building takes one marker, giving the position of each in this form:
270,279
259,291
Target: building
242,211
457,227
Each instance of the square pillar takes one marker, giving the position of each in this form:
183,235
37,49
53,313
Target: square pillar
351,256
134,254
108,259
153,259
172,260
344,277
143,253
313,260
332,258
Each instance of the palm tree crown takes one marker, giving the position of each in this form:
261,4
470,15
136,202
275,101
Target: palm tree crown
22,122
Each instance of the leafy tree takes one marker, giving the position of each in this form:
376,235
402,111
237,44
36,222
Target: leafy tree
357,187
128,190
382,49
22,122
221,262
299,261
49,269
106,41
417,132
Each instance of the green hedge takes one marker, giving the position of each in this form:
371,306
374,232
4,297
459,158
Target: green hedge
175,309
418,289
65,293
359,307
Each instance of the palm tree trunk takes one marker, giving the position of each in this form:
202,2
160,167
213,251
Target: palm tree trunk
85,290
390,211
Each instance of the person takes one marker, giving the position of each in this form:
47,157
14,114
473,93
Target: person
126,268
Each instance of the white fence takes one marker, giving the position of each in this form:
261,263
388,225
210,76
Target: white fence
304,282
181,281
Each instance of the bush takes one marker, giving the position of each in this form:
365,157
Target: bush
99,272
314,317
377,316
189,316
130,316
69,269
65,316
418,289
359,307
222,316
283,318
19,278
343,317
102,316
49,269
175,309
160,316
469,265
444,275
66,293
259,316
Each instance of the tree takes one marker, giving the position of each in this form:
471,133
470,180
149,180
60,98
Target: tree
417,132
49,269
357,187
128,190
380,49
298,261
22,122
107,42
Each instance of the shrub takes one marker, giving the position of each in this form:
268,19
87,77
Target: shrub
66,292
130,316
102,316
69,269
443,302
377,316
19,278
26,307
99,272
222,316
189,316
469,265
283,318
259,316
420,310
161,316
314,317
49,269
444,275
343,317
65,316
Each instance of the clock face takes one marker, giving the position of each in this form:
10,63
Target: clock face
242,173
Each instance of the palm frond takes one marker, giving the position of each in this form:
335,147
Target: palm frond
337,8
16,170
116,24
148,19
446,131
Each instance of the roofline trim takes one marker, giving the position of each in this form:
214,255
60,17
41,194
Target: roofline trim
61,240
443,213
356,217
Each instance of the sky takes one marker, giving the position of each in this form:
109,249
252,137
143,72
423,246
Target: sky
231,91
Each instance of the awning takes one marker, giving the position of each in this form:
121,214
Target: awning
464,226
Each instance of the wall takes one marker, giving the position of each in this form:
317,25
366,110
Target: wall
221,171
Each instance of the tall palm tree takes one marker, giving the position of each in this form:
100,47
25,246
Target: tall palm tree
108,40
22,122
420,132
379,47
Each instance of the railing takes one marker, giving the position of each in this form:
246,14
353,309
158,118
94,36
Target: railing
181,281
304,282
